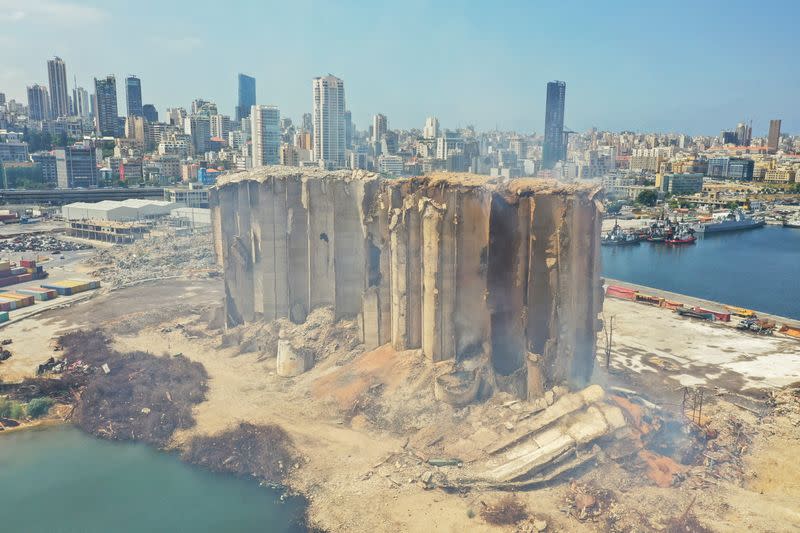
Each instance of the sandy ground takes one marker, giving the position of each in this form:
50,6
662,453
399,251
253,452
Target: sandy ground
354,472
33,337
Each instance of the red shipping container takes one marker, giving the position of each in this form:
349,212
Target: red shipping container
27,263
722,317
616,291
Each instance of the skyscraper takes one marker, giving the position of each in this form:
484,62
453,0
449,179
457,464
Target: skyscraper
266,131
744,133
150,113
379,127
133,96
554,148
348,129
57,75
38,103
328,118
247,96
431,129
80,99
106,122
774,135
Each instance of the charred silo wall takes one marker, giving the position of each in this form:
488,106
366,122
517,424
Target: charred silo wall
471,271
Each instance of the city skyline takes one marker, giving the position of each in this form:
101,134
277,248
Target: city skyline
640,80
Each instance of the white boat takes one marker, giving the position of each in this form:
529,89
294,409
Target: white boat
735,220
793,222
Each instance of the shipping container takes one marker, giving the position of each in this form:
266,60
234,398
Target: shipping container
23,300
3,316
7,304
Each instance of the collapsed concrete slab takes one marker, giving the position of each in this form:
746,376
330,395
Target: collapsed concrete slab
496,279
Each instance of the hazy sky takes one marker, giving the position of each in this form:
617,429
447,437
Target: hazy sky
695,67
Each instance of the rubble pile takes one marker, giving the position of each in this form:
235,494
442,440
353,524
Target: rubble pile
40,243
133,396
263,451
155,258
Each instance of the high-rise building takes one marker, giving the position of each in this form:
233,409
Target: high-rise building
266,131
80,101
220,126
247,96
150,113
554,148
76,166
348,129
38,103
199,127
744,134
328,120
57,76
106,121
431,129
774,135
380,125
133,96
2,98
308,122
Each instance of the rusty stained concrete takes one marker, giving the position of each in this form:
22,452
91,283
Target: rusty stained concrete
496,281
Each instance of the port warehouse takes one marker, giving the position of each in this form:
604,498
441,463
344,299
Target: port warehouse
122,222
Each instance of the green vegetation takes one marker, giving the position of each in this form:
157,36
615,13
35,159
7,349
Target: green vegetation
11,409
43,141
647,197
38,407
22,176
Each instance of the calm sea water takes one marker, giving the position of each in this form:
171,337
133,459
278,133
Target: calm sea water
60,480
757,269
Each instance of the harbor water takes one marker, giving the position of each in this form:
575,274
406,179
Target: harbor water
756,269
58,479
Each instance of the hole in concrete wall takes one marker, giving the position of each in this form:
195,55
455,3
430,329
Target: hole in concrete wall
323,236
374,264
507,341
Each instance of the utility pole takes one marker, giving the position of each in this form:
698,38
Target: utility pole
609,331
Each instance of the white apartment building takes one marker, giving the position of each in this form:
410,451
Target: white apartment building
328,121
266,127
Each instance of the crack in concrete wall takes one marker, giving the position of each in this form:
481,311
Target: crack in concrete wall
498,279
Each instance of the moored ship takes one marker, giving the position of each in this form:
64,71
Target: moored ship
733,221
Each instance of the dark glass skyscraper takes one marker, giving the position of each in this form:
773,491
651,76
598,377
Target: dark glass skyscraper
133,95
247,96
105,106
150,113
554,148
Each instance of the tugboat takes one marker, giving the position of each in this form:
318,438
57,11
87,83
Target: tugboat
660,231
683,235
618,237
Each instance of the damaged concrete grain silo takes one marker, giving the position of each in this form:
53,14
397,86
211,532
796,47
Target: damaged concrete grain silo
495,281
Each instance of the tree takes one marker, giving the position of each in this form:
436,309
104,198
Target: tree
647,197
615,207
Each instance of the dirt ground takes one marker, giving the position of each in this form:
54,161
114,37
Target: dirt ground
361,422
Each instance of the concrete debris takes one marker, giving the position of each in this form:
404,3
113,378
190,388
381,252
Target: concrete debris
450,264
155,258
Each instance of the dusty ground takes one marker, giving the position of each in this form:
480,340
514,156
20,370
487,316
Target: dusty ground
656,344
360,455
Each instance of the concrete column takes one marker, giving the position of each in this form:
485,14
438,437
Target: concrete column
432,319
